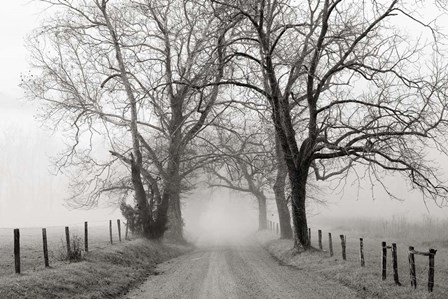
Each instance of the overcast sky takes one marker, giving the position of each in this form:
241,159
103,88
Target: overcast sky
31,196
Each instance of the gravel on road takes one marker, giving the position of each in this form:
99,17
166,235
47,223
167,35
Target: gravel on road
243,270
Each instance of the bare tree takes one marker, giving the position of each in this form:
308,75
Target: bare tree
248,159
243,162
126,70
366,92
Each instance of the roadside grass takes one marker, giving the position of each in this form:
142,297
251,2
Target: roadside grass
104,273
365,280
31,247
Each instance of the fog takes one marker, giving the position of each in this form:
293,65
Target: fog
30,192
30,195
219,216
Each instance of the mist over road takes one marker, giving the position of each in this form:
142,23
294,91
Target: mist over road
235,270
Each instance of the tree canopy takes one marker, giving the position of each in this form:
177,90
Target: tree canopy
342,82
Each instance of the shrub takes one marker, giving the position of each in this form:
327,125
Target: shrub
76,252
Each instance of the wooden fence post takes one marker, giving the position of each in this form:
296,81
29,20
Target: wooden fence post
119,229
127,228
344,255
45,247
319,232
309,234
17,250
432,253
412,267
361,252
67,241
86,236
330,244
110,231
395,263
384,260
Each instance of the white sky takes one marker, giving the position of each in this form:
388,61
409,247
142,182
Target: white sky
17,18
30,196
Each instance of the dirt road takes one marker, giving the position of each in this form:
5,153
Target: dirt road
235,271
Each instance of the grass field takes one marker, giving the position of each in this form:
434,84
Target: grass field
103,273
106,271
31,246
367,280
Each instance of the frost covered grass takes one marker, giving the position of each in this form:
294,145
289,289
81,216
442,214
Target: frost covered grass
365,280
104,273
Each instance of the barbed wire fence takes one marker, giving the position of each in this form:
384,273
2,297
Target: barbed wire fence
29,249
395,266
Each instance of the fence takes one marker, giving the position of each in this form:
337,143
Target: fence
31,249
378,251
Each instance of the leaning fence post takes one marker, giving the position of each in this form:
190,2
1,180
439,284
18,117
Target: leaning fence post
86,236
330,244
361,252
119,229
412,267
319,232
344,255
384,260
395,263
110,231
432,253
67,241
17,250
45,247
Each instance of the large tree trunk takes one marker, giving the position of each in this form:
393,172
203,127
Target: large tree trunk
173,190
282,206
298,164
279,192
298,180
262,212
142,203
175,222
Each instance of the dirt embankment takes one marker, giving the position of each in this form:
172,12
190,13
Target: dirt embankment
105,273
